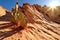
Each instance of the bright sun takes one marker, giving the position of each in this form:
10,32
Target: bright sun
53,4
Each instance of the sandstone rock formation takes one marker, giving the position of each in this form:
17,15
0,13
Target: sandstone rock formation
40,25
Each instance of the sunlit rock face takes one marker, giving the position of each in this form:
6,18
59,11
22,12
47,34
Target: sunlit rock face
54,14
50,14
2,11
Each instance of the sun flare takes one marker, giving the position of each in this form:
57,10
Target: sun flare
53,4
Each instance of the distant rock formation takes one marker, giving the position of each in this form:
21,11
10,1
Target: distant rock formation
6,17
2,11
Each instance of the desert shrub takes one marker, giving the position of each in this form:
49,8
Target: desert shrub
19,17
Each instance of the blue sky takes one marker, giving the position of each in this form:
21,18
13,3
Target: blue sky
8,4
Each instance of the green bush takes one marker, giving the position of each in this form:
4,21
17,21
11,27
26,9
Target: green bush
19,17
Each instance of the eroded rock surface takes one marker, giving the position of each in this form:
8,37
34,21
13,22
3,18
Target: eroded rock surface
40,26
